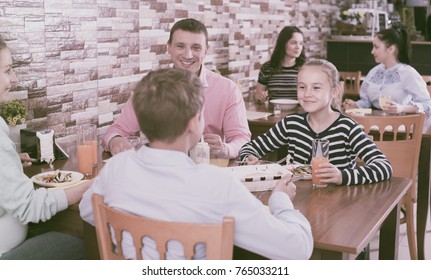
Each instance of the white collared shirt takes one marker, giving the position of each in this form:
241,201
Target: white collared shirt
168,185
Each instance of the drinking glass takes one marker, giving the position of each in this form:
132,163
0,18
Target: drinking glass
197,154
87,150
384,102
219,156
132,142
320,153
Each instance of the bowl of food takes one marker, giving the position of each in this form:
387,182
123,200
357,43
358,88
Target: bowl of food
285,104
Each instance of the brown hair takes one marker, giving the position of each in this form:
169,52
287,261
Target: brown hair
3,44
277,57
189,25
165,101
333,77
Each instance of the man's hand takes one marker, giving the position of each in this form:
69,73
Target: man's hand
118,144
213,140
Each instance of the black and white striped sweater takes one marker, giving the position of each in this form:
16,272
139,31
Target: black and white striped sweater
347,142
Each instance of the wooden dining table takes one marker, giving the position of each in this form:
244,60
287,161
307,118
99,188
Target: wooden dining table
259,126
343,219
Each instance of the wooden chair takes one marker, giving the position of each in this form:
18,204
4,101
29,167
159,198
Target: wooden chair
217,237
399,138
427,80
352,84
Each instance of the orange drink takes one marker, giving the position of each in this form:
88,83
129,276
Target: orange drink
85,159
87,149
93,145
315,162
320,154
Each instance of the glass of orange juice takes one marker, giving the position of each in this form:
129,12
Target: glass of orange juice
87,149
219,156
320,154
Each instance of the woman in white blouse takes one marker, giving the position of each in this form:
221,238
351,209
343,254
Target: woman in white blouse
21,204
393,77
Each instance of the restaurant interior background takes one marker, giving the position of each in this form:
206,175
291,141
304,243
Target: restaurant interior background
77,61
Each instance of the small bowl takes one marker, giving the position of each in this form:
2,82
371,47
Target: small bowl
285,104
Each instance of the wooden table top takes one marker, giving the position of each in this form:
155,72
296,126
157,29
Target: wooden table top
346,218
343,219
260,126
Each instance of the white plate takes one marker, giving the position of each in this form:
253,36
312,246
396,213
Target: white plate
285,104
292,166
260,177
76,176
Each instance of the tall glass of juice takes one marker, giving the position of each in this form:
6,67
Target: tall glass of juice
320,154
87,149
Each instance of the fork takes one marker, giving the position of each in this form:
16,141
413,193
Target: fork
293,179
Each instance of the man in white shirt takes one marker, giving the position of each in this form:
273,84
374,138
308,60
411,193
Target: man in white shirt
160,181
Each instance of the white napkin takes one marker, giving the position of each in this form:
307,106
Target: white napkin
46,139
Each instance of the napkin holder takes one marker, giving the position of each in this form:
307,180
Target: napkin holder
40,145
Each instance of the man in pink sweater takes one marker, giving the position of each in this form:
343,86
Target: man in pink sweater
224,110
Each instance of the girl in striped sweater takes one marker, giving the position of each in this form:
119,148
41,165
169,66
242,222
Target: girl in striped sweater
318,89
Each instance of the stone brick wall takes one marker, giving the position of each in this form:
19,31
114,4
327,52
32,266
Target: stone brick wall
77,61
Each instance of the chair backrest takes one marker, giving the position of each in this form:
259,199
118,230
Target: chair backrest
399,138
352,82
427,80
218,238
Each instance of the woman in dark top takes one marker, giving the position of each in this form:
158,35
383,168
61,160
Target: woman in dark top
277,77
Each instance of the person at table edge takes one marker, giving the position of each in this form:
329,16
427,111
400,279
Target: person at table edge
393,76
225,116
21,203
318,92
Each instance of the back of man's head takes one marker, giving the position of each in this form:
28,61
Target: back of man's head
165,101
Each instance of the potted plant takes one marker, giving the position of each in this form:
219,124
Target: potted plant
351,23
14,113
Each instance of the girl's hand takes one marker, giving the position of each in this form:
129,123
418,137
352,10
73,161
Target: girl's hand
251,160
328,173
26,160
395,108
349,104
262,96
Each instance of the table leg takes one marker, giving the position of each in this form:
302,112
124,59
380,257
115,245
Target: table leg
389,233
320,254
423,195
